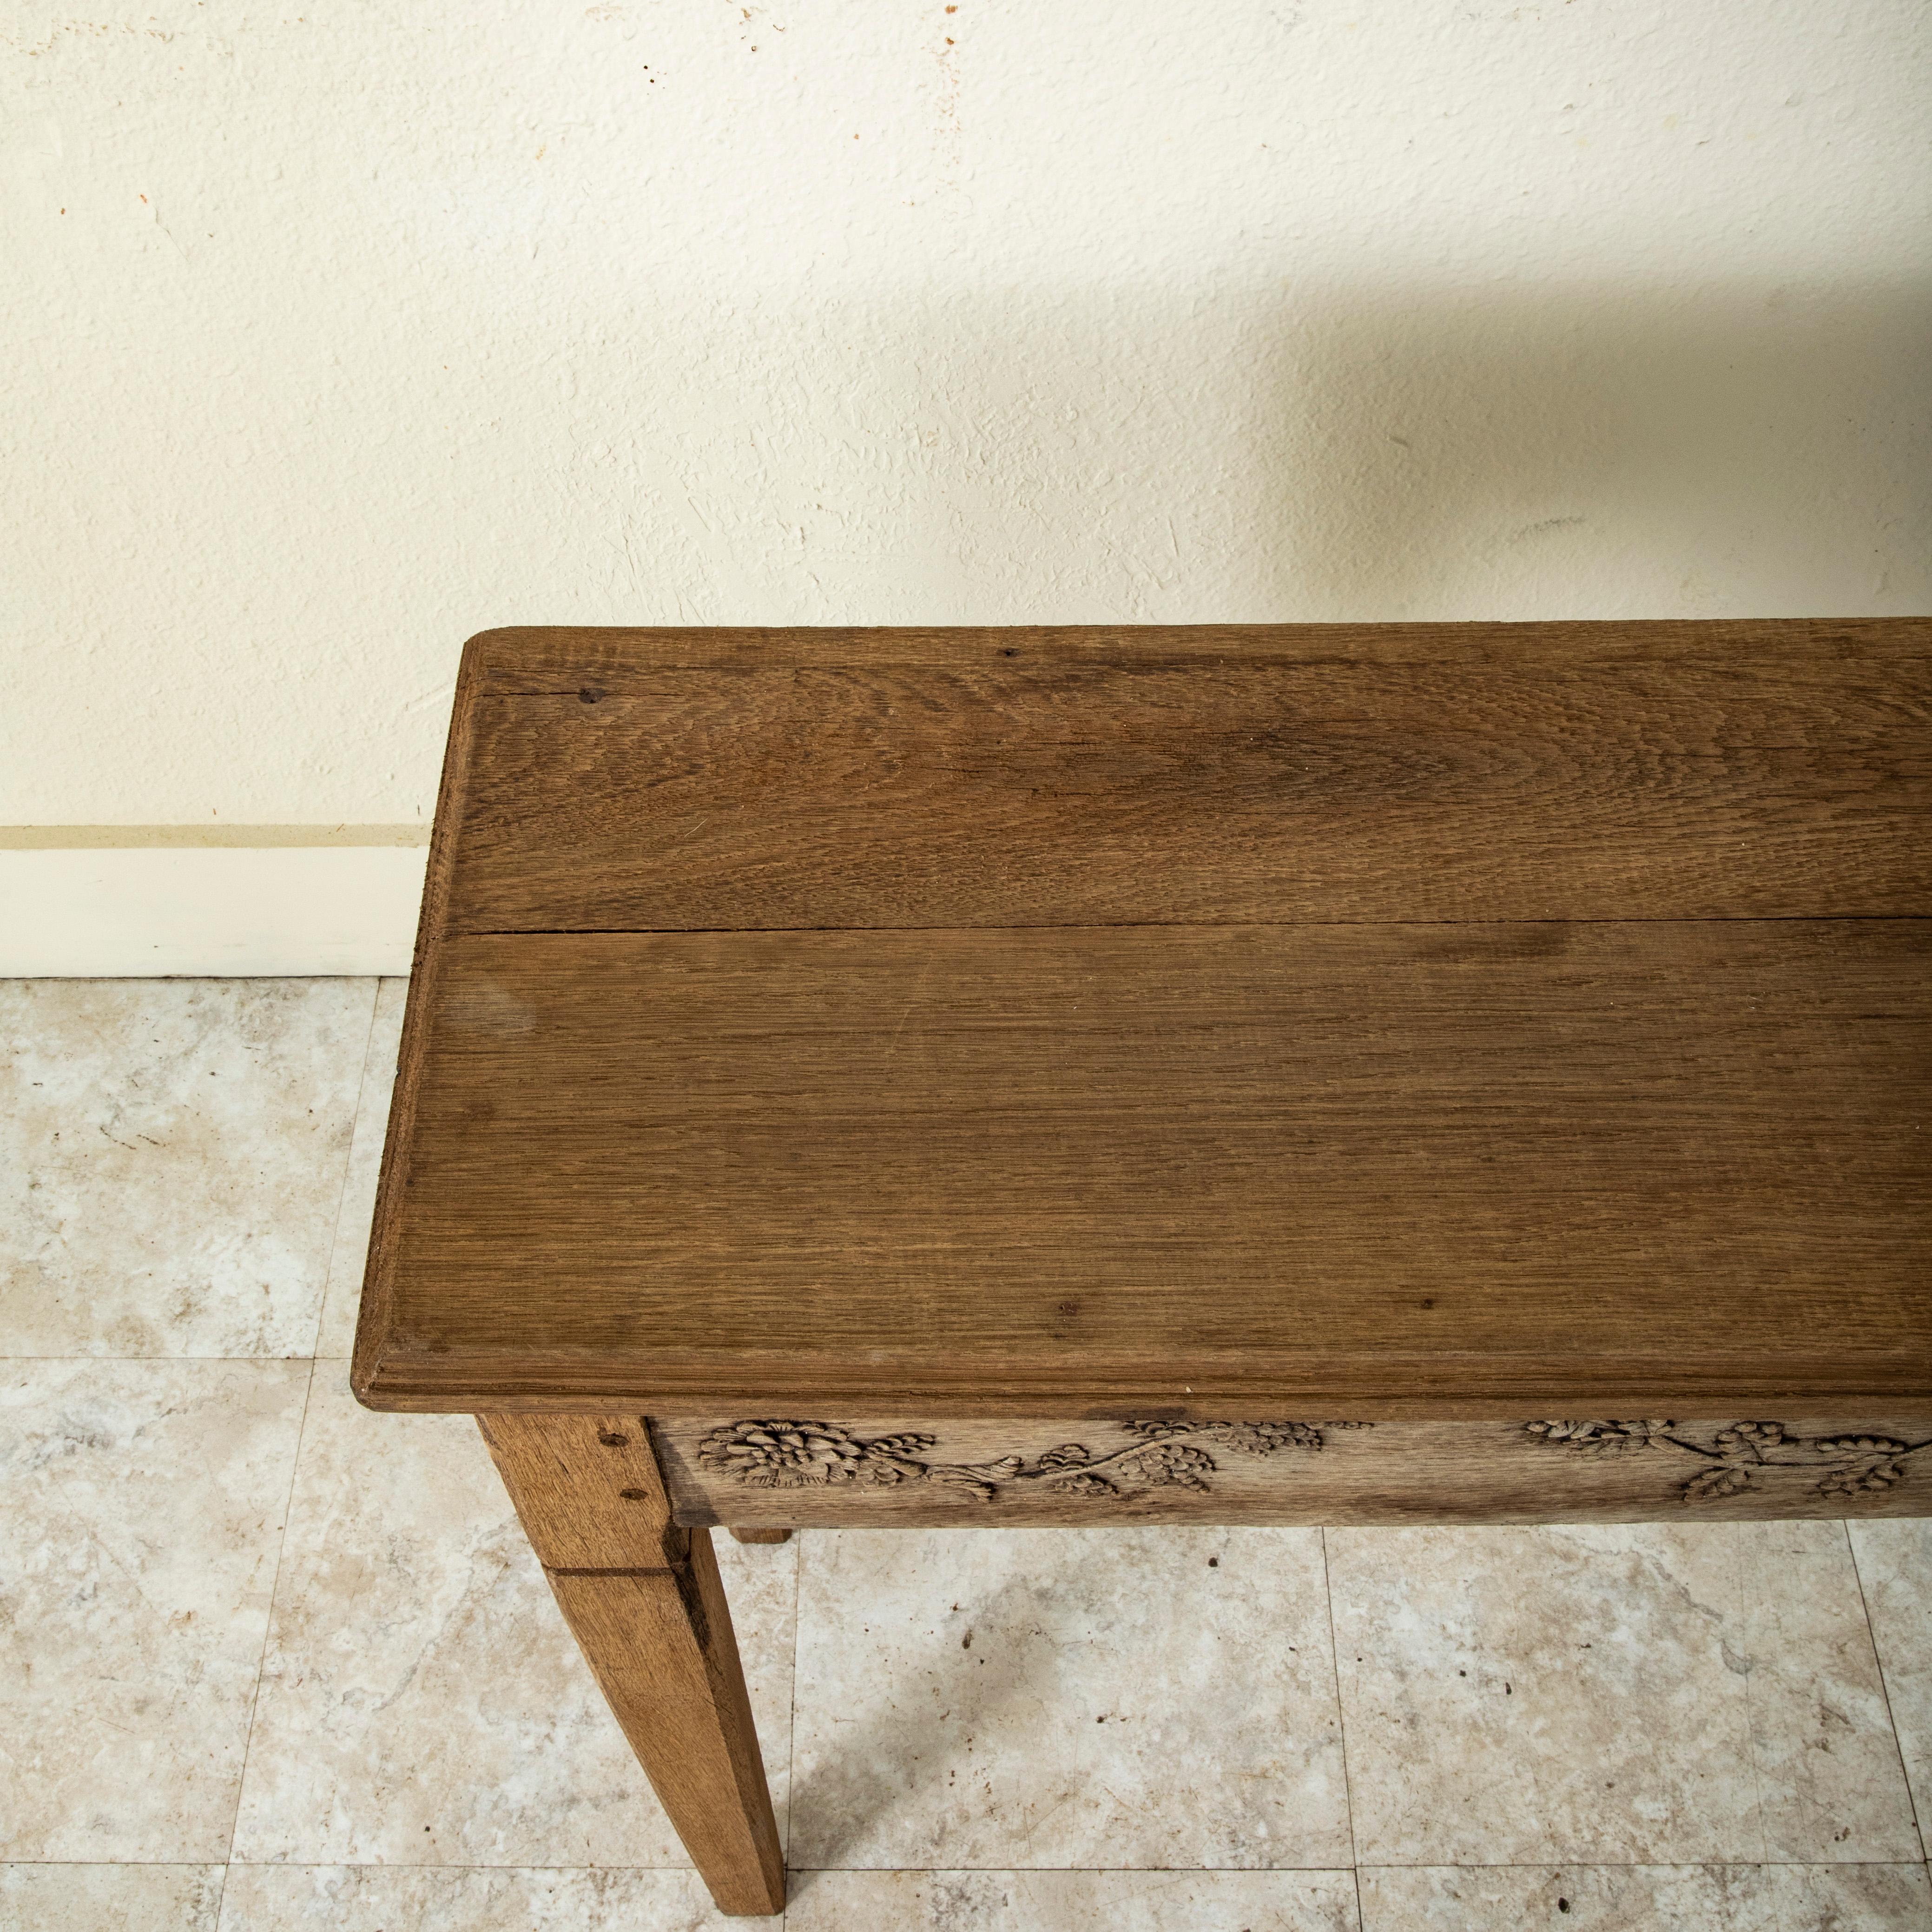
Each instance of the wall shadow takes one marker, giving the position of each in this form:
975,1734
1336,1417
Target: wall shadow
1274,453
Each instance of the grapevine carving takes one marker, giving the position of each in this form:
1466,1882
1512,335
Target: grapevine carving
763,1455
1738,1456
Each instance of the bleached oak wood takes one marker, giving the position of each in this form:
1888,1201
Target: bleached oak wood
643,1599
1087,1474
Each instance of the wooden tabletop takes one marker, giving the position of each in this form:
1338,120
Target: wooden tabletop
1414,1020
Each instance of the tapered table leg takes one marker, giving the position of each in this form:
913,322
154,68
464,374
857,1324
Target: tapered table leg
761,1536
644,1600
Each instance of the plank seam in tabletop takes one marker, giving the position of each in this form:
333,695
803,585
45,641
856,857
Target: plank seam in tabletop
1171,925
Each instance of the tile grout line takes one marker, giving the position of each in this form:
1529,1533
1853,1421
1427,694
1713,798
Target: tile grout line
1125,1871
1317,1871
1744,1596
311,1356
301,1434
1884,1690
269,1626
348,1173
1342,1728
791,1734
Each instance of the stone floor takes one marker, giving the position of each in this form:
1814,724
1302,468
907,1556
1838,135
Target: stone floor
271,1662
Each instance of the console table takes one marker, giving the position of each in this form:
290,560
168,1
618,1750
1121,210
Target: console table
1248,1074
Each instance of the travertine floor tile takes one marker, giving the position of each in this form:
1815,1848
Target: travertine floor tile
1647,1898
421,1703
1652,1694
378,1898
1894,1561
1072,1901
1829,1779
337,1335
110,1898
171,1158
143,1507
1074,1698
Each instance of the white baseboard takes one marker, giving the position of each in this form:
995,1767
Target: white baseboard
228,912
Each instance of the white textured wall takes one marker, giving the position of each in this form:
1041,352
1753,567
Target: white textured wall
336,332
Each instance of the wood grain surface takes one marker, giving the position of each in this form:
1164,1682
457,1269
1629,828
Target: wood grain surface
1422,1170
1321,1080
660,1645
1242,790
643,1599
898,1472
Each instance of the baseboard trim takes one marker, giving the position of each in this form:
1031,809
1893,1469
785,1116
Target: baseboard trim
149,911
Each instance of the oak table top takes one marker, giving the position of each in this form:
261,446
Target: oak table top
1415,1021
